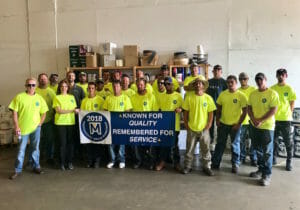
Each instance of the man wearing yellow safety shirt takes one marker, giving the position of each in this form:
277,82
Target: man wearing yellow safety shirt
231,112
117,102
283,116
29,112
164,72
246,89
262,106
92,102
65,110
170,101
47,133
83,83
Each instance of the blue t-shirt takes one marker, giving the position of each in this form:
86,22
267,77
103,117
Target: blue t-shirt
216,86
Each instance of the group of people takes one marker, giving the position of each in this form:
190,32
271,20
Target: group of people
44,110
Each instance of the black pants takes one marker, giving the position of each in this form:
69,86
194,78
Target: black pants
212,128
66,141
94,153
283,129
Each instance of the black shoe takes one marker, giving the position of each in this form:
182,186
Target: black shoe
208,172
215,167
186,170
51,162
151,167
274,161
253,163
70,166
288,166
89,165
137,165
62,167
14,176
38,171
234,169
243,161
96,165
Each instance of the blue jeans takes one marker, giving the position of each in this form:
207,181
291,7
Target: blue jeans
34,156
121,155
245,133
223,132
263,143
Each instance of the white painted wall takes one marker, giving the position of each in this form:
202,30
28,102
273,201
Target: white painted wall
241,35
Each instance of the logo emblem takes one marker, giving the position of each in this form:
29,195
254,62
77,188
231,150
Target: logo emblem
95,126
286,94
174,102
72,101
121,103
145,103
37,103
95,105
235,101
264,100
204,104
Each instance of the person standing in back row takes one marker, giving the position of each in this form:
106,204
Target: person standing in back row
216,85
283,116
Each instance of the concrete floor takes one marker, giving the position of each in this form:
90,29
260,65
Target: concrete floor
142,189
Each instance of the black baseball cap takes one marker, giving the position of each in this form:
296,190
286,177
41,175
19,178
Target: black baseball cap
260,76
281,71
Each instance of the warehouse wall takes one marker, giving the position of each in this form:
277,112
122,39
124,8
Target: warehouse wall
241,35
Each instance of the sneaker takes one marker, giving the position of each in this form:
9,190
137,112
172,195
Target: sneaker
215,167
243,161
121,165
186,170
70,166
208,172
137,165
234,169
110,165
255,174
96,165
288,166
14,176
89,165
62,167
265,180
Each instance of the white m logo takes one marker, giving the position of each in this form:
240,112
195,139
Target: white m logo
95,127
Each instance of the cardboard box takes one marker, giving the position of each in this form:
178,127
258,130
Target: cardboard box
78,62
131,61
107,48
92,60
108,60
131,50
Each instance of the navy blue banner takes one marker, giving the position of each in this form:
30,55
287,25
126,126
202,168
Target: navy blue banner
143,128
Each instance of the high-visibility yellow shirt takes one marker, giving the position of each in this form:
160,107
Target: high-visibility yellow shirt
54,88
84,87
261,103
103,93
92,104
144,103
119,103
232,105
48,95
29,109
188,80
286,94
174,81
198,108
109,87
129,92
148,88
65,102
170,103
247,92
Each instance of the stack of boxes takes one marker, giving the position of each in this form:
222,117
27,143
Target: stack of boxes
107,54
131,55
6,126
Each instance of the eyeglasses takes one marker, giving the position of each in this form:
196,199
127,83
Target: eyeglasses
243,78
30,85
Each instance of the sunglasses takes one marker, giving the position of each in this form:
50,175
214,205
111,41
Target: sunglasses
243,78
161,83
167,83
30,85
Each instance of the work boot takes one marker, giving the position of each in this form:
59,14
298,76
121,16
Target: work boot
38,171
234,169
255,174
265,180
14,176
208,172
186,170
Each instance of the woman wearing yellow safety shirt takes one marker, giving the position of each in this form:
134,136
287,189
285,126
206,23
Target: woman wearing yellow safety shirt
92,102
65,108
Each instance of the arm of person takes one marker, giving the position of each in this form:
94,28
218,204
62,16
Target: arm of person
292,105
62,111
43,116
269,114
178,110
186,120
16,123
242,117
209,120
251,115
218,114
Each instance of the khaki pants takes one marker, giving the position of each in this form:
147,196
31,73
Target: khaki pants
191,142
